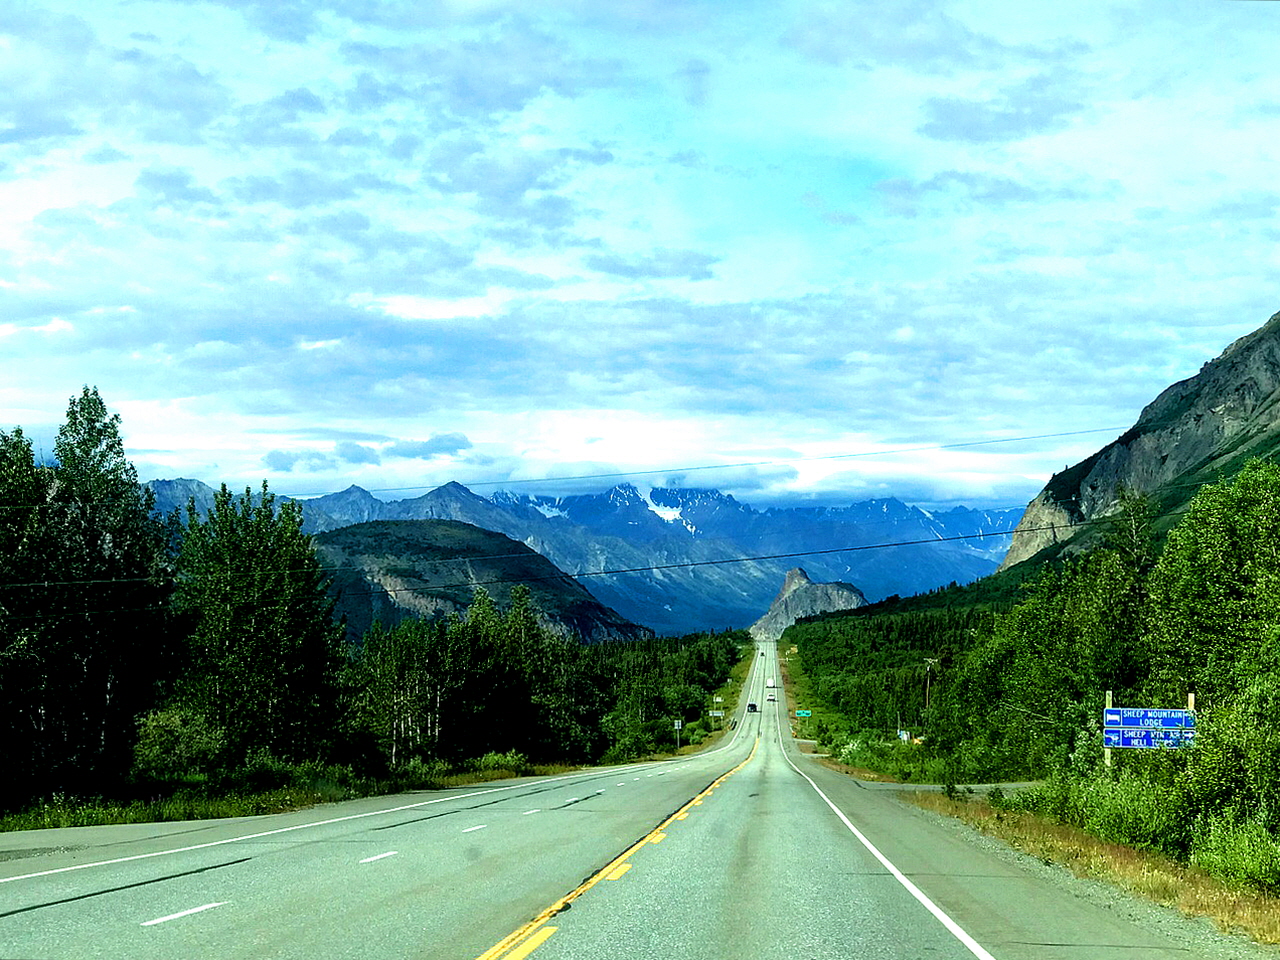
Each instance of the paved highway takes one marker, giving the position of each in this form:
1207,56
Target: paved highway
747,850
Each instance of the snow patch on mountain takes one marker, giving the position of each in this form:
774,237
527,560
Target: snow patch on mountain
669,514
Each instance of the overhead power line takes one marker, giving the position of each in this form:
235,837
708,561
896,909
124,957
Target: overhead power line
64,614
529,551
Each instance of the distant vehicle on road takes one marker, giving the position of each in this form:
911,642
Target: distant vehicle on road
752,708
771,698
762,653
769,683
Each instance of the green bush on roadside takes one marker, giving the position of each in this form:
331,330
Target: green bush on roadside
1246,854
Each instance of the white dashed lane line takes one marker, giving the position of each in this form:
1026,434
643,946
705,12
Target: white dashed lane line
527,812
183,913
380,856
475,828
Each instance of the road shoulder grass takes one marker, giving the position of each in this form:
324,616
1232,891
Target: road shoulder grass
1145,873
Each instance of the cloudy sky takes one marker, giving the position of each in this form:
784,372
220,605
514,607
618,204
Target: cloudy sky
400,242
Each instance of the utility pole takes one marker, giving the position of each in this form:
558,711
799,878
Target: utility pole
929,664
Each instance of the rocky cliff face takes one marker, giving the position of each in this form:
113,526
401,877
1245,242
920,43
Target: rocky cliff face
1195,431
801,597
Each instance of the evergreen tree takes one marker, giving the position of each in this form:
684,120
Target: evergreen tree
263,646
81,611
1215,592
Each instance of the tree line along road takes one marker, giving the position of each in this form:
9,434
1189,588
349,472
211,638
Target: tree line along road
746,850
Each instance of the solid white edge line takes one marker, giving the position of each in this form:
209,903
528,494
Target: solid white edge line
355,816
953,928
381,856
184,913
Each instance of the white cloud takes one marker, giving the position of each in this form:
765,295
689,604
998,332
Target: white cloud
435,308
623,235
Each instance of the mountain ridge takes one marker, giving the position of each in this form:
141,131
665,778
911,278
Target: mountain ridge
1195,431
718,559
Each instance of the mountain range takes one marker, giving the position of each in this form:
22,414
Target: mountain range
680,559
1196,431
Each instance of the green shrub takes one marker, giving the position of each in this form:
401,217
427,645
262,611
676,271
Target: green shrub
510,761
1127,809
260,773
1242,853
419,774
176,745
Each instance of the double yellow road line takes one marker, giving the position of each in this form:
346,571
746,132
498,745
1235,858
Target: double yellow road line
520,943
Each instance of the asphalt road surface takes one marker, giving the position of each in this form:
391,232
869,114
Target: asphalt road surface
748,850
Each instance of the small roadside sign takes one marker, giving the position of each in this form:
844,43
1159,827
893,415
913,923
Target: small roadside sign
717,699
679,725
715,713
804,713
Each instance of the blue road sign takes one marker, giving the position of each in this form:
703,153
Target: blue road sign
1147,728
804,713
1148,717
1147,738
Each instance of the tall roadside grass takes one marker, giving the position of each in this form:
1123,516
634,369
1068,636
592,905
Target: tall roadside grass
1129,809
270,786
1234,905
891,760
1230,844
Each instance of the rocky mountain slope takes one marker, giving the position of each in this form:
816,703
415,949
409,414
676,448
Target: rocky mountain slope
801,597
681,560
1194,432
387,570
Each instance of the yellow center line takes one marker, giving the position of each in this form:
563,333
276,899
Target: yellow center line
532,944
521,942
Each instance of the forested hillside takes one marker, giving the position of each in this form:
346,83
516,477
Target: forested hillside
142,657
389,570
1019,692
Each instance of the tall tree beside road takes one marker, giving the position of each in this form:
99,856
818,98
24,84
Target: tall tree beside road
81,619
263,649
1215,611
394,692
